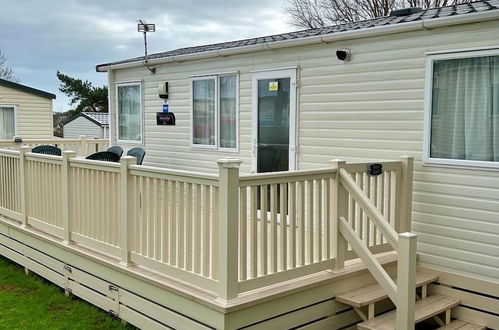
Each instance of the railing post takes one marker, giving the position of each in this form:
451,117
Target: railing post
406,194
65,193
125,205
83,145
339,203
23,184
406,281
228,227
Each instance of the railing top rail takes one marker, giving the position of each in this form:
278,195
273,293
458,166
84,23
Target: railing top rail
285,176
43,157
95,164
362,166
51,140
368,207
189,176
10,153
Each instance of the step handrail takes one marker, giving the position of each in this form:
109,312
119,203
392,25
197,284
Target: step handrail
368,206
369,259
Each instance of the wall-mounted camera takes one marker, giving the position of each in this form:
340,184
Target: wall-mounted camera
344,55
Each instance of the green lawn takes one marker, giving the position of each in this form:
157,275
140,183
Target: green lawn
30,302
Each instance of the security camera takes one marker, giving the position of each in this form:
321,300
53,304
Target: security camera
343,55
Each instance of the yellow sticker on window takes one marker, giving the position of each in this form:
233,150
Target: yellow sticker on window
273,86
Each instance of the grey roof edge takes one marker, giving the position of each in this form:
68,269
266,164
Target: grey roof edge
26,89
218,49
82,114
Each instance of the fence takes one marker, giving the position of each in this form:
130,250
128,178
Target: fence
227,233
83,146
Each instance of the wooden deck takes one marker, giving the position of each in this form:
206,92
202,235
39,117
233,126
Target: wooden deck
162,248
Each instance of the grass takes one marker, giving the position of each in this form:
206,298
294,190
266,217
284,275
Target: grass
30,302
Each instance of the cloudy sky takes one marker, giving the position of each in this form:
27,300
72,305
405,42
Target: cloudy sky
72,36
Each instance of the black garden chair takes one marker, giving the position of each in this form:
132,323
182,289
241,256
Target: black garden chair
116,149
138,153
106,156
47,150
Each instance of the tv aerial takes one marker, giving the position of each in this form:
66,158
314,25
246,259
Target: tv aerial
144,27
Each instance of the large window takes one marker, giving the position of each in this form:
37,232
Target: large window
463,114
214,112
7,122
129,108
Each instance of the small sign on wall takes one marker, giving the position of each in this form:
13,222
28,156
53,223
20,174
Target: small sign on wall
165,118
273,86
166,107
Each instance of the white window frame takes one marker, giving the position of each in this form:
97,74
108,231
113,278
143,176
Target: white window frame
141,107
427,160
216,78
15,115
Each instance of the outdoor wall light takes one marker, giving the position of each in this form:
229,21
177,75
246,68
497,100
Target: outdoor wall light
343,55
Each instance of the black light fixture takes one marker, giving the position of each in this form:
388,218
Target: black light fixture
145,28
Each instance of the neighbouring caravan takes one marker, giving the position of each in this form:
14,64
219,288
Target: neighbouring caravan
24,111
93,125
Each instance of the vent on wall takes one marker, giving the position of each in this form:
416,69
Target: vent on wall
405,11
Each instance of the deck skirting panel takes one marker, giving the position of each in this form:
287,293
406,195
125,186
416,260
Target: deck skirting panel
116,300
141,299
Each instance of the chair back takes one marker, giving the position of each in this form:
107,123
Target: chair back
105,156
116,149
138,153
47,150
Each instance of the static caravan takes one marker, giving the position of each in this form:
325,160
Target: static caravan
423,84
24,111
335,178
93,125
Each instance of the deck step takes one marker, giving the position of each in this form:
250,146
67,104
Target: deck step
462,325
425,308
373,293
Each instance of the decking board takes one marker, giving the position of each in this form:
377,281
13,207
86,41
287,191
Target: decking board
373,293
425,308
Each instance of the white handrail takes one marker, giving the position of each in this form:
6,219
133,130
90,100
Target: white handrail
369,260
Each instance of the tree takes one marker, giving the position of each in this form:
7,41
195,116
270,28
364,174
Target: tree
311,14
83,94
6,72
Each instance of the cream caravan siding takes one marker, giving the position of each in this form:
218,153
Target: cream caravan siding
33,113
83,126
370,108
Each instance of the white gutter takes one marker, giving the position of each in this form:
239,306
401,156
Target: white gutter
327,38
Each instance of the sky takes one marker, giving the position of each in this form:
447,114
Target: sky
72,36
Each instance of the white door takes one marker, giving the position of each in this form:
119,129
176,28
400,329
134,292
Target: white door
274,120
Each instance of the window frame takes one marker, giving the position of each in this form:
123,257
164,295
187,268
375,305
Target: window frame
433,161
141,109
14,106
216,77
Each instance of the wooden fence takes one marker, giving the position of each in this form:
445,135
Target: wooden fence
227,233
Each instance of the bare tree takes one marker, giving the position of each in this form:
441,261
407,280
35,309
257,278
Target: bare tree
319,13
6,72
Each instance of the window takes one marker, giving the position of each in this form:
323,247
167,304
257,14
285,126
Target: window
7,122
463,110
214,112
129,105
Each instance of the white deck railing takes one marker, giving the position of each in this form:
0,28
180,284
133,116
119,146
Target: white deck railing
226,233
83,145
